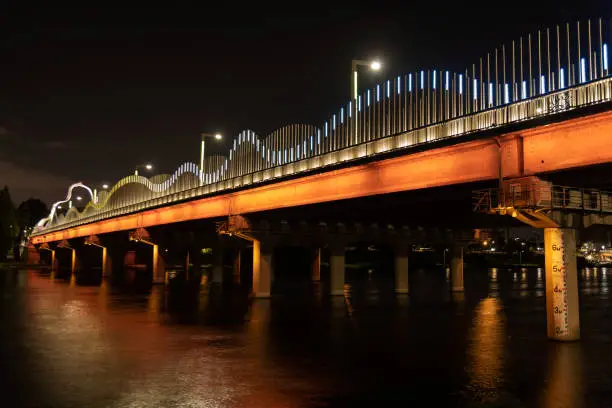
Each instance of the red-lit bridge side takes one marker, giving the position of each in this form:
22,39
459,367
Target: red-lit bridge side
577,142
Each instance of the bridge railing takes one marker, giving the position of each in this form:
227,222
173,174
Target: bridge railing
185,186
542,196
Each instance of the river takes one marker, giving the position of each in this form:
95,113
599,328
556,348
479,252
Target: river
68,345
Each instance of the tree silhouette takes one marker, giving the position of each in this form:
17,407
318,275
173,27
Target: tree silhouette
9,229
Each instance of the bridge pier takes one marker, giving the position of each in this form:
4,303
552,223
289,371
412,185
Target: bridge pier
457,269
217,264
236,266
562,311
72,259
106,264
32,256
51,258
158,265
262,269
316,265
336,270
401,270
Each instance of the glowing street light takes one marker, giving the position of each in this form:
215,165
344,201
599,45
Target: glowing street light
79,198
104,186
204,136
374,65
147,166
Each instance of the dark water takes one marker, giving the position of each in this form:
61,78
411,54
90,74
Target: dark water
64,345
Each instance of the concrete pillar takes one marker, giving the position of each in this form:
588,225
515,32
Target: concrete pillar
262,271
187,262
457,269
159,266
32,256
73,261
53,260
236,265
316,265
217,265
401,270
336,271
562,314
195,258
107,265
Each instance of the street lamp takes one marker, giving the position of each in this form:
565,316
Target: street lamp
204,136
374,65
104,186
147,166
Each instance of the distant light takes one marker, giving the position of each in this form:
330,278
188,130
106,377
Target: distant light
603,247
582,70
485,243
539,110
375,65
218,136
59,207
149,166
104,186
79,198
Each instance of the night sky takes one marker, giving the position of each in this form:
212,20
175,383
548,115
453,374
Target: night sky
86,93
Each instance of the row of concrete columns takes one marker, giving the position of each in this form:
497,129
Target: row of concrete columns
263,274
560,257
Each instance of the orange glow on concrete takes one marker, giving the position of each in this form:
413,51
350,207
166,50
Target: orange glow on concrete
577,142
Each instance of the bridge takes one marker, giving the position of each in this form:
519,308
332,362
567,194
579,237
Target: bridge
541,104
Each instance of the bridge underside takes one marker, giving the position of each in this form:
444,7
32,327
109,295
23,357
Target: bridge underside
551,148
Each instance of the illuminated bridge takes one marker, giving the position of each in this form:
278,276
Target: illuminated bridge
540,104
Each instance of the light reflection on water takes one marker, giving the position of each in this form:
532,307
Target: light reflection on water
103,346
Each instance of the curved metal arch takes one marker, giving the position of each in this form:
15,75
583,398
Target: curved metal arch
45,220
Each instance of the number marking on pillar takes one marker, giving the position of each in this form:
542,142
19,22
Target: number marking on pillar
559,282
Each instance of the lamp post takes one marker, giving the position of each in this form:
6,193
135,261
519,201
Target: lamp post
204,136
374,65
147,166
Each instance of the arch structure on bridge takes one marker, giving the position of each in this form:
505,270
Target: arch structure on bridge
538,75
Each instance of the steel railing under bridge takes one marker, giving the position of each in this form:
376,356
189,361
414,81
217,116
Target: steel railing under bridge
537,195
125,199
